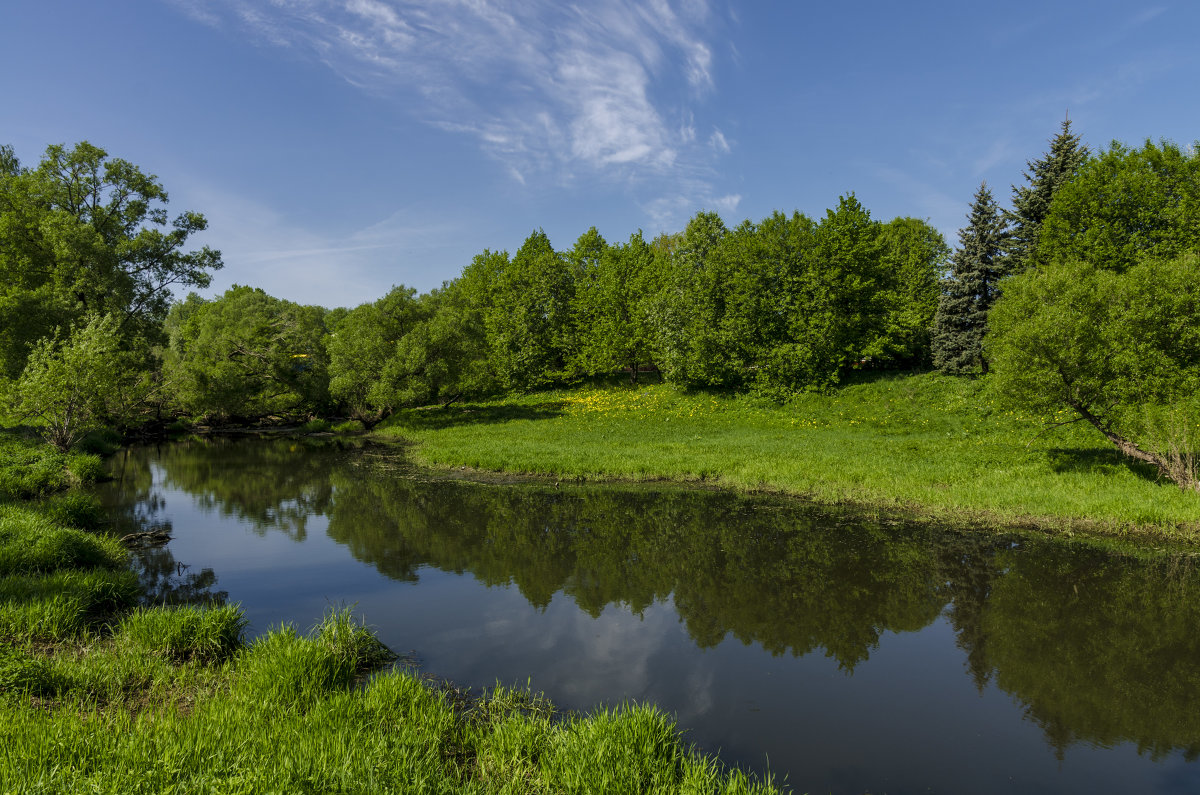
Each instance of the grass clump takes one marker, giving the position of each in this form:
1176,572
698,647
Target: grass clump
32,542
315,426
63,605
30,468
211,634
287,668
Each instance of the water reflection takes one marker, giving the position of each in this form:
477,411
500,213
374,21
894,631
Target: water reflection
1097,648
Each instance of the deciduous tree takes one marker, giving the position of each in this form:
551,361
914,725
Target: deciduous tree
84,233
79,382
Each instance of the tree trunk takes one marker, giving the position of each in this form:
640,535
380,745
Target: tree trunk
1128,447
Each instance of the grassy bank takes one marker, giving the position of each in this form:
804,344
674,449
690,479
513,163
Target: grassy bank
98,694
926,443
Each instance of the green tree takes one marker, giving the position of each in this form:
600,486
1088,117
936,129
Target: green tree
1126,205
84,233
836,298
971,288
1118,350
363,345
81,382
444,357
248,354
1031,202
914,255
693,303
529,314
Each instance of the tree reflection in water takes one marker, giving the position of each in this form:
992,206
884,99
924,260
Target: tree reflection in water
1100,647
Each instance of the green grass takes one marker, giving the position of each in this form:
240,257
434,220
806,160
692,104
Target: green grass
100,696
930,444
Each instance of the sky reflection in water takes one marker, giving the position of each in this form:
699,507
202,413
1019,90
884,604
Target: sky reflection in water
852,655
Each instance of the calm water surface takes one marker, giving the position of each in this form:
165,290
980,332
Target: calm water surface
850,656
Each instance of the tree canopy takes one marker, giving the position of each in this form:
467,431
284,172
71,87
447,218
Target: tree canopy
85,233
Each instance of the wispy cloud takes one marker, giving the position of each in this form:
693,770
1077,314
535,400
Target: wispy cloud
543,86
671,212
265,248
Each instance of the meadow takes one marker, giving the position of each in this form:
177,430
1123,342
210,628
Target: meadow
930,445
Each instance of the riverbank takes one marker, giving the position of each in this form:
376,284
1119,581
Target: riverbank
100,694
927,445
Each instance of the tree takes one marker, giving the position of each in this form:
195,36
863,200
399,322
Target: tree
79,383
1031,202
613,301
971,288
836,299
693,303
1118,350
1126,205
914,254
363,345
529,317
83,233
248,354
444,357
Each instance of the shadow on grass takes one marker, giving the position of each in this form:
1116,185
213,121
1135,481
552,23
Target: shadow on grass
468,414
1097,461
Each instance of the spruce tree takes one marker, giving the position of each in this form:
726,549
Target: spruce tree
1031,202
971,288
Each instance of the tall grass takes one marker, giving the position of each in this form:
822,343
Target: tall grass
924,443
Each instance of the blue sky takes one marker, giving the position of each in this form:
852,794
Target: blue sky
339,147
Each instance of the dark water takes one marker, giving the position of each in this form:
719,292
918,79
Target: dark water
852,656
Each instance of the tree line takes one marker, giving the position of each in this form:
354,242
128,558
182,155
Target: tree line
1081,297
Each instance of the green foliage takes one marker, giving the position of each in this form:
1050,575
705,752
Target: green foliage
529,317
247,354
1104,344
84,234
444,357
78,384
1126,205
971,288
1031,202
363,345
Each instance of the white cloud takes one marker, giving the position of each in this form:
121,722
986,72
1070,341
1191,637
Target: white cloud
541,85
718,142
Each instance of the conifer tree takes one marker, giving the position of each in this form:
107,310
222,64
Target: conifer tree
971,288
1031,202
